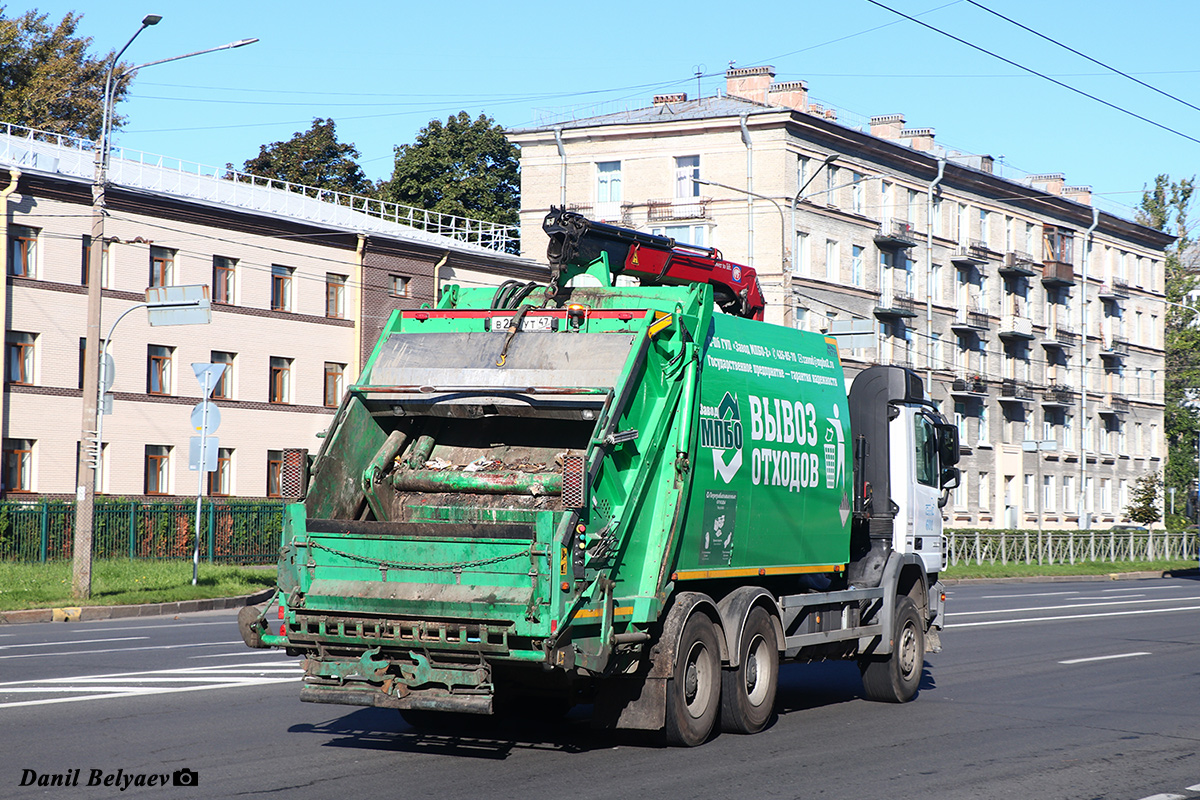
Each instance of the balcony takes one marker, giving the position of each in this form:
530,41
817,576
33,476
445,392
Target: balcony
974,254
1058,273
896,234
971,321
1019,263
901,305
1115,348
1060,336
969,386
1058,396
1014,326
1116,405
1014,391
1115,291
677,208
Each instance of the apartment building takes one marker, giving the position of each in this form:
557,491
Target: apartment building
300,287
1036,318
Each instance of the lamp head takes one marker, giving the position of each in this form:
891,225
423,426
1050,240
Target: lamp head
151,19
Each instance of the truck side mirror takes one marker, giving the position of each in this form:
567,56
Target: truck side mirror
947,445
951,478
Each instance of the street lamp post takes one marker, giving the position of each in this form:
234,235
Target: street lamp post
90,447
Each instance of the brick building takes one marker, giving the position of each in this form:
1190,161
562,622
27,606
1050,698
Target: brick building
1036,318
301,287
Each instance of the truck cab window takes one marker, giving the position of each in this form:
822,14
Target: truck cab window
926,446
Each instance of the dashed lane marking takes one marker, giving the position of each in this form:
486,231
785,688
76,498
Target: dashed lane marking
1102,658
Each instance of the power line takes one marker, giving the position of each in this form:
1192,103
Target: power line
982,7
1041,75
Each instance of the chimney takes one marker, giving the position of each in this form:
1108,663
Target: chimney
666,99
889,126
749,83
1080,194
918,138
1050,183
792,94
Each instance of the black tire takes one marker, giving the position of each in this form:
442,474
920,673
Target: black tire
895,678
748,690
694,689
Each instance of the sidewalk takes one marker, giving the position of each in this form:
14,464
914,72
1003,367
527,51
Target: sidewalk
92,613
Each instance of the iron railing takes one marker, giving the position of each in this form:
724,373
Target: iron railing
1068,546
231,533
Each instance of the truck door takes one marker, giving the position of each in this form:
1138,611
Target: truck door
915,479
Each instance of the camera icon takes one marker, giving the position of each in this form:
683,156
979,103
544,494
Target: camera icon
185,777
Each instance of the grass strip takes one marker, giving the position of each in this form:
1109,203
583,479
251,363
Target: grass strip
1022,570
124,582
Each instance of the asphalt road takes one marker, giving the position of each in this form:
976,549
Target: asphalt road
1080,690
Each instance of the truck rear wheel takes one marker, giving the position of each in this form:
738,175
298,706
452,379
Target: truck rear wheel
748,690
694,689
895,678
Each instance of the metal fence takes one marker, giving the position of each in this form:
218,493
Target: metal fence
1068,547
230,533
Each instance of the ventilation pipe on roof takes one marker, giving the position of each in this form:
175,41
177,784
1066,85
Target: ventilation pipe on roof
749,189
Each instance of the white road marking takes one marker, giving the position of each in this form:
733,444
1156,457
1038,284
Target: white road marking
1195,788
1102,658
77,641
166,626
122,649
1071,616
1143,589
1167,796
136,684
1105,603
1032,594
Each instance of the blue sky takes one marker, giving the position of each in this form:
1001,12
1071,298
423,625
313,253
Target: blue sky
382,70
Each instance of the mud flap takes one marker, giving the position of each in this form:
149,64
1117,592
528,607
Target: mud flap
636,703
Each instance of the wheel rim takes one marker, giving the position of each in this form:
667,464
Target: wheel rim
908,652
758,660
698,680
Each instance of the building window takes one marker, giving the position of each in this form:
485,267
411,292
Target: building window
281,380
983,226
1030,497
18,465
831,260
802,163
985,500
335,296
1068,493
335,380
800,255
914,207
224,388
274,473
1048,494
608,182
158,469
687,169
220,480
82,359
856,265
86,262
937,216
162,266
831,185
158,369
223,279
401,286
281,287
684,234
21,357
1058,244
858,193
22,253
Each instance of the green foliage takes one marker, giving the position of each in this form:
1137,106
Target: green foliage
313,158
47,79
1143,505
1166,207
467,168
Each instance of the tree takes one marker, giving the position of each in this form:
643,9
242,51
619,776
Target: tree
313,158
47,79
1143,506
466,168
1166,207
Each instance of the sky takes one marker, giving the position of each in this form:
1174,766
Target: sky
382,70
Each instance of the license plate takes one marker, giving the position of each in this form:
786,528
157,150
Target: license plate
502,324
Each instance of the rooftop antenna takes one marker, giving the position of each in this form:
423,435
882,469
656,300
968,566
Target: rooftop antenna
699,72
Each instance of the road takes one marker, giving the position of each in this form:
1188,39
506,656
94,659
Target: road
1079,690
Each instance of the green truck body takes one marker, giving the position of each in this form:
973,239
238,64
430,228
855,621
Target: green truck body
615,495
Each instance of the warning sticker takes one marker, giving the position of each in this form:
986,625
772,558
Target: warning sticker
716,546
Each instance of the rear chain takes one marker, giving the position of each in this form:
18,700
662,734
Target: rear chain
379,562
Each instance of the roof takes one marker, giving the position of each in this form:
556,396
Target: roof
687,110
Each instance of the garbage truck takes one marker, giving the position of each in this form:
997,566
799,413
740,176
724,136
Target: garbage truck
621,489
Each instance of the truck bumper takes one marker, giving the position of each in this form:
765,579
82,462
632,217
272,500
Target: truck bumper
422,700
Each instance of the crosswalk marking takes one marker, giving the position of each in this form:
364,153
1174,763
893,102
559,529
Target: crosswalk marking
74,689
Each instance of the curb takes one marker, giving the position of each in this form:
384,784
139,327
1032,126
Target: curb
93,613
1112,576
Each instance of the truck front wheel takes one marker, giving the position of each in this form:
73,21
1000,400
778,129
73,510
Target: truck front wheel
895,678
694,689
748,690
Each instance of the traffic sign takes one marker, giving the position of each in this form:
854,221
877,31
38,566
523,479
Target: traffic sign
108,372
205,425
211,445
208,375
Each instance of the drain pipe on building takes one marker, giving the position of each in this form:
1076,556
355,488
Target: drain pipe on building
929,276
1084,514
749,190
14,176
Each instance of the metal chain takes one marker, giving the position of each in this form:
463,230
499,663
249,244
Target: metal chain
417,567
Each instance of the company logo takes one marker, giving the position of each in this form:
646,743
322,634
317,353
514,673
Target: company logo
721,432
737,274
